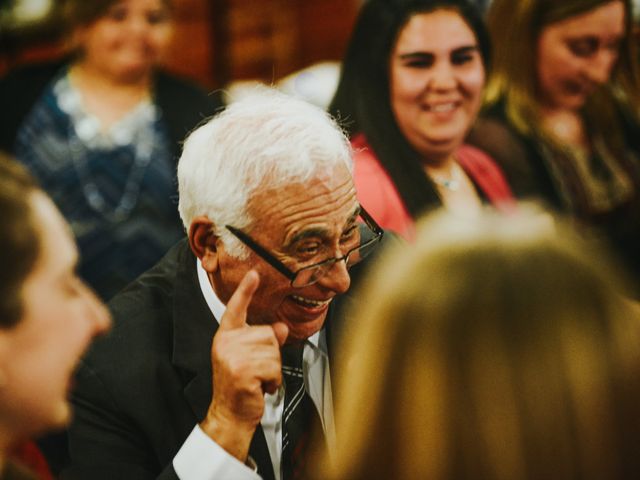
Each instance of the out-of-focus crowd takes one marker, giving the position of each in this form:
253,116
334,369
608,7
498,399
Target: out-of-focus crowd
434,275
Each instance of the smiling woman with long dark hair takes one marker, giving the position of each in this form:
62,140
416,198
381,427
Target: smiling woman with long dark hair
410,89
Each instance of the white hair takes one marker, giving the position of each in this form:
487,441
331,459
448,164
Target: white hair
264,141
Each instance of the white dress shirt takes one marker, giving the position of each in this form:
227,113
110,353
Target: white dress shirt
200,458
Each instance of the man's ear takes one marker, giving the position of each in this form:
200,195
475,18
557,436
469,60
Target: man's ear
204,243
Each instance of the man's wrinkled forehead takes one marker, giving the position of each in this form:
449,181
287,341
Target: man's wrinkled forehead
319,232
326,201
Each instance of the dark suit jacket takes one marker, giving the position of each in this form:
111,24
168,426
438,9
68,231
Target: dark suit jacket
142,389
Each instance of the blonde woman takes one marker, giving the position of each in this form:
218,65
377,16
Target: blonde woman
496,349
561,117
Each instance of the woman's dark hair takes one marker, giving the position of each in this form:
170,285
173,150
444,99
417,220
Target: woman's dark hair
19,244
362,101
83,12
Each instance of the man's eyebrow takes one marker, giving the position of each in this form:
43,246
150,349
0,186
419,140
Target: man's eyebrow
312,232
353,216
321,232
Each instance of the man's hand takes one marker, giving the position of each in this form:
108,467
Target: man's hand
246,363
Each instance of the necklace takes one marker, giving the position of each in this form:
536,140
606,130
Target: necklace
91,190
452,183
132,140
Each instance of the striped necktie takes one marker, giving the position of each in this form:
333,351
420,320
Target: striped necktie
299,419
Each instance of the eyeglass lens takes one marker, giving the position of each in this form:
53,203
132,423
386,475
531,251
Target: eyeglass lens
366,244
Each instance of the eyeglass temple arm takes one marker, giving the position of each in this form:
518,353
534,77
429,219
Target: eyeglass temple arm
263,252
371,222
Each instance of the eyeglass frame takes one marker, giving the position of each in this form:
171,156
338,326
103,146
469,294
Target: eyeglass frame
291,275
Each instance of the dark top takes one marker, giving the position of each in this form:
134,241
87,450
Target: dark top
538,172
13,471
185,104
143,388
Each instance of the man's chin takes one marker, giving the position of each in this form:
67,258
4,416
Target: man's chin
62,415
300,331
56,418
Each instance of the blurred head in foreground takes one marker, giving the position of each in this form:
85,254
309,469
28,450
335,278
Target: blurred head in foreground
47,315
495,349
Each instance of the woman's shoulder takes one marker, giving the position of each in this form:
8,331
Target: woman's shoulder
20,89
492,132
33,74
184,105
376,191
516,155
175,89
168,80
368,172
364,158
485,173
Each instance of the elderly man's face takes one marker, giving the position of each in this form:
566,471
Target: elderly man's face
294,223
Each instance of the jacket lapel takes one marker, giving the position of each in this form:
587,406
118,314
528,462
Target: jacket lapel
193,329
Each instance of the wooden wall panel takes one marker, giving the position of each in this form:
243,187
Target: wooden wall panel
263,39
327,28
271,38
217,41
191,51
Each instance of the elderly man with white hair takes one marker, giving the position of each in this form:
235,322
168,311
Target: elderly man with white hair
219,364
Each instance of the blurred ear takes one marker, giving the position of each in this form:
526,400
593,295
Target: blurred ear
204,243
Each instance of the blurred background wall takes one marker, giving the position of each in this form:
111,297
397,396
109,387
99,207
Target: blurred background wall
215,42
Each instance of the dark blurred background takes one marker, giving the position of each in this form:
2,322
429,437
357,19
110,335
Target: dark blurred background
215,41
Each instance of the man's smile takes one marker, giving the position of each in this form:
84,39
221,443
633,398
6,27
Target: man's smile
308,302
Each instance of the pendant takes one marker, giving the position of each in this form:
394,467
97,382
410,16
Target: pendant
452,184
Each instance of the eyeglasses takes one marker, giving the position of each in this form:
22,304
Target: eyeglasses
370,235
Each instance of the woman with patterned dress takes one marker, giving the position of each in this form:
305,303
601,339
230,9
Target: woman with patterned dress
103,136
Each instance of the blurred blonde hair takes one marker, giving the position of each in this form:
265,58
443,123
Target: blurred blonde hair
496,349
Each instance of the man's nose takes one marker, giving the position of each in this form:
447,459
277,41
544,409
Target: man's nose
337,278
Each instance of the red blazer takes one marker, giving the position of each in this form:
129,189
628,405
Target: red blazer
378,194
